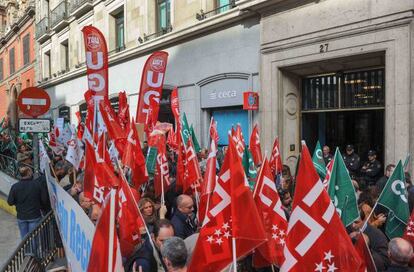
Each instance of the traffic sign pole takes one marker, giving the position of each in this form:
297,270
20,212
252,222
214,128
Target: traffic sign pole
34,102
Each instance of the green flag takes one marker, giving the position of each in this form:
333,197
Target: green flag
151,160
407,160
185,129
249,168
195,141
394,198
342,191
318,161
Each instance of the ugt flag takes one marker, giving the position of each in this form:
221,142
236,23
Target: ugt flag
394,198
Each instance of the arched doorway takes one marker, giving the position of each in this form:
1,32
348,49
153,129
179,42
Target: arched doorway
12,111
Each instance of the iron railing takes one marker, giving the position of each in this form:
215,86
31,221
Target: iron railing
59,13
163,31
203,15
37,249
75,4
10,166
42,27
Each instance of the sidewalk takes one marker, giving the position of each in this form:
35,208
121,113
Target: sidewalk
9,235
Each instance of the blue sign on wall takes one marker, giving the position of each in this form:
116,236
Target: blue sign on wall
228,118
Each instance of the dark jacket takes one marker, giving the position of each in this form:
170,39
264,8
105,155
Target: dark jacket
26,195
398,268
183,225
372,172
144,257
352,163
378,245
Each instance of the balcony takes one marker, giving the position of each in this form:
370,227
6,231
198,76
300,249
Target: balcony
203,15
43,30
80,7
59,16
152,36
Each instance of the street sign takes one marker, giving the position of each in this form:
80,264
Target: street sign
34,125
250,101
33,101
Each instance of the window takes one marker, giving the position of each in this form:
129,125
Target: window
26,50
119,31
343,91
47,65
164,16
11,61
223,5
1,70
64,56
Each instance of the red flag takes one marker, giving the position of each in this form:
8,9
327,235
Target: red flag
133,157
105,251
239,141
103,152
254,146
96,61
172,140
208,183
276,159
231,215
152,81
175,104
274,219
80,130
129,220
162,174
328,173
123,111
316,238
115,131
213,131
99,177
192,174
365,255
409,233
181,159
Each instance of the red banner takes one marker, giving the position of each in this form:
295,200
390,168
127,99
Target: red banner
175,104
152,81
96,61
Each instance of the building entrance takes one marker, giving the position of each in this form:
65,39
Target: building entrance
345,108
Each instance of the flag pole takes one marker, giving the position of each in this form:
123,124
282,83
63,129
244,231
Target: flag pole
258,174
162,188
136,204
111,231
233,244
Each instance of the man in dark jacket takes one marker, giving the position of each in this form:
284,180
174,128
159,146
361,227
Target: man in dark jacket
400,253
377,242
183,219
26,195
383,180
371,170
352,161
147,258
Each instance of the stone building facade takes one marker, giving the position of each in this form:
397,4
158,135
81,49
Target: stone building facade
17,53
213,51
329,70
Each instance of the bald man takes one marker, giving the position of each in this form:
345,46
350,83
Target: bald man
400,253
183,219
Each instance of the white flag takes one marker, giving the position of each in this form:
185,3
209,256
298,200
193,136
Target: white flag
43,157
75,152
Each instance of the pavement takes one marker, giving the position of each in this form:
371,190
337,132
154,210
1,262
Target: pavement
9,235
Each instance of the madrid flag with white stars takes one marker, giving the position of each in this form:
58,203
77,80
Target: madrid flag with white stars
274,219
316,240
232,214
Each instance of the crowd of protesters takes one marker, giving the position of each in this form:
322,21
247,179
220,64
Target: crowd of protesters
173,226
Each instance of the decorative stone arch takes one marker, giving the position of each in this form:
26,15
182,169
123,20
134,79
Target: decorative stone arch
12,110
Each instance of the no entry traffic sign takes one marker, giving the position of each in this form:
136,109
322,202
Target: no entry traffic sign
33,101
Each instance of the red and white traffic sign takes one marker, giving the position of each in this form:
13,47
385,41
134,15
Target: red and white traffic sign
33,101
